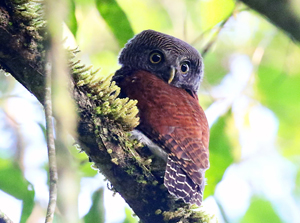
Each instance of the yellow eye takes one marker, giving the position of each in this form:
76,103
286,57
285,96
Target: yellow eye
185,67
156,58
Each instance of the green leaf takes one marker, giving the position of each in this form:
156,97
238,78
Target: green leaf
214,11
13,182
277,87
43,128
96,212
260,211
149,15
86,169
71,20
129,216
116,19
84,166
220,154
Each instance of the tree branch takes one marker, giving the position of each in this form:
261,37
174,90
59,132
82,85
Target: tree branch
51,150
283,13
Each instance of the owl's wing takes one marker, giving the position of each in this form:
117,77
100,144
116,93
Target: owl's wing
186,142
175,122
186,164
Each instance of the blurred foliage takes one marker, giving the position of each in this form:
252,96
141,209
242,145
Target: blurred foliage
115,18
71,20
96,212
260,211
220,156
129,216
214,12
101,28
13,182
84,166
6,85
280,92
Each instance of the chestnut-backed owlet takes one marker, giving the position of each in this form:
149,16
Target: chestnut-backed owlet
164,73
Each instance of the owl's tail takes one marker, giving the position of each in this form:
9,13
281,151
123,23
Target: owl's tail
180,185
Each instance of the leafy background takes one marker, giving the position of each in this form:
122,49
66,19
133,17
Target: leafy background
250,93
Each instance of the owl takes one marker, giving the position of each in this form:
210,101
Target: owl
164,73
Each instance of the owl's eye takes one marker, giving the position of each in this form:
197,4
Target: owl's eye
156,58
185,67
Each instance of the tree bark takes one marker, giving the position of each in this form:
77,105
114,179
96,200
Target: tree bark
283,13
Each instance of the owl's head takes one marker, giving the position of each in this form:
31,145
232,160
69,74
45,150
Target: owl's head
171,59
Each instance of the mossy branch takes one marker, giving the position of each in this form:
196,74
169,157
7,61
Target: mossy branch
105,94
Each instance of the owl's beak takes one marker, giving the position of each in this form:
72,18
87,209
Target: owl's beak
172,74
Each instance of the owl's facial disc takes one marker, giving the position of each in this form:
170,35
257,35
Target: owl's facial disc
181,69
157,59
169,58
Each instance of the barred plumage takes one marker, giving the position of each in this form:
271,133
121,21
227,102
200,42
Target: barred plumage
181,185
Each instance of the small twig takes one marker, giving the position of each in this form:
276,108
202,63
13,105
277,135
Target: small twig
51,149
215,36
223,213
219,28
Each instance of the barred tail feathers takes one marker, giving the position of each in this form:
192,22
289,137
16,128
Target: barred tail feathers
180,185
